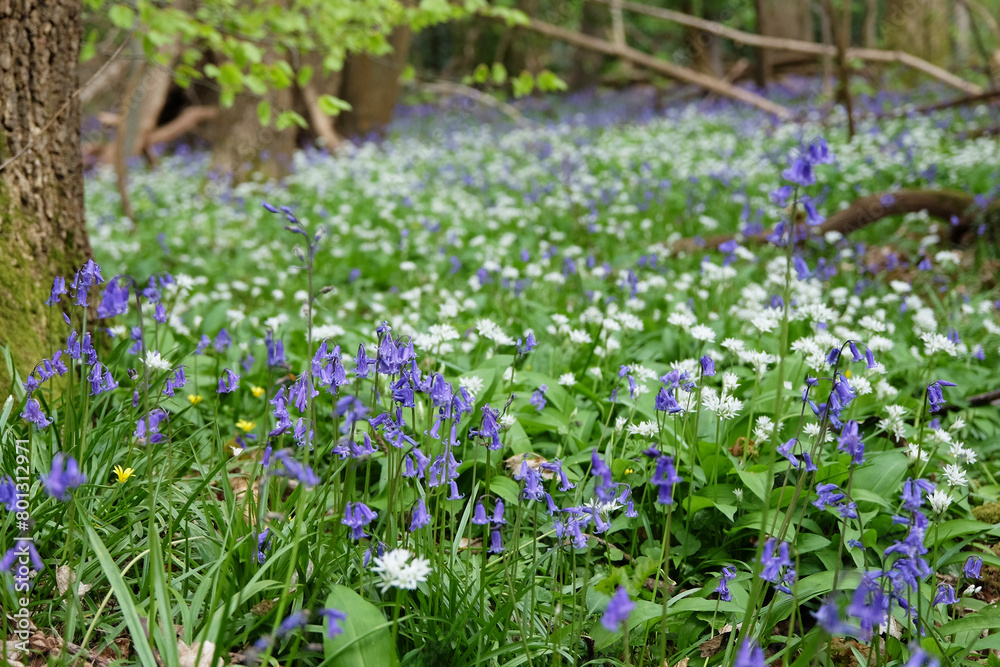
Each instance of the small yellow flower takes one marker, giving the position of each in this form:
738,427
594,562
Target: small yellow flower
257,391
245,425
847,373
629,471
194,398
123,474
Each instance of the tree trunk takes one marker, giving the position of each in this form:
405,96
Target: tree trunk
371,86
587,64
790,19
919,27
42,231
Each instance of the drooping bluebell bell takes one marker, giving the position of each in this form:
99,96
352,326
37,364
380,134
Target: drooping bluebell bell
921,658
750,655
356,517
619,608
707,366
945,595
665,402
84,279
115,299
496,544
827,495
934,394
63,475
9,494
972,567
850,442
292,469
529,344
22,548
557,468
203,343
229,382
781,195
100,379
333,617
263,544
772,564
489,429
479,515
728,574
33,413
813,217
828,618
800,173
420,517
58,288
148,427
177,381
786,451
222,341
538,397
362,363
664,478
294,621
532,479
913,490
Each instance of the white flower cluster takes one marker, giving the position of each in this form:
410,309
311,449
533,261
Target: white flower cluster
397,570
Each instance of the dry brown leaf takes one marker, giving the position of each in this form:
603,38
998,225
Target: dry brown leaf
65,578
714,645
534,462
188,655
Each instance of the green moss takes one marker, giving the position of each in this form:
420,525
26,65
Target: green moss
988,513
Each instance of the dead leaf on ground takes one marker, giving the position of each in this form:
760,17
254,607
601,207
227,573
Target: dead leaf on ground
714,645
187,656
534,462
65,578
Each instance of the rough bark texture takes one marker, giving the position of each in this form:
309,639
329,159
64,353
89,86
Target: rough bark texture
919,27
371,85
42,231
791,19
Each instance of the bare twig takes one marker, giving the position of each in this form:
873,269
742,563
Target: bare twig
442,87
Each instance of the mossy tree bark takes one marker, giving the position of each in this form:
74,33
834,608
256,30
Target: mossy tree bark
42,230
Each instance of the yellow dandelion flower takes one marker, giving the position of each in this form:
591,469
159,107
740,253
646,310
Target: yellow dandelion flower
847,373
257,391
194,398
123,474
245,425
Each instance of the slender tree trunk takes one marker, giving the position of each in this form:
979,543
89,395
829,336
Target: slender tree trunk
42,231
919,27
790,19
587,64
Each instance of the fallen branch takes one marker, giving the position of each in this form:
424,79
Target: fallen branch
184,123
801,46
951,206
320,121
657,65
938,106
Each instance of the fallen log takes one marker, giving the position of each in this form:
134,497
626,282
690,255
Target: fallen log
663,67
958,209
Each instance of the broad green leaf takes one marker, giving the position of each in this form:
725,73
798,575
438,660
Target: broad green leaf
506,488
366,640
121,16
758,482
331,105
304,76
264,112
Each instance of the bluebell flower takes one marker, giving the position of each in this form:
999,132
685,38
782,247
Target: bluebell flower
786,451
750,655
945,595
86,277
100,379
21,548
497,518
921,658
222,341
819,152
728,573
664,478
529,344
855,354
115,299
356,517
827,495
58,288
33,413
618,610
828,618
420,518
496,544
63,475
489,429
292,469
160,314
538,397
972,567
772,563
665,402
869,604
263,544
800,173
707,366
479,515
202,344
334,617
295,621
850,442
9,494
532,482
229,382
556,467
604,488
275,350
781,195
934,394
913,490
813,217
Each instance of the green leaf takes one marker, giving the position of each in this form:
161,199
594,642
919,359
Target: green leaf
758,482
264,112
331,105
231,77
506,488
121,16
986,618
408,74
481,73
304,76
499,74
366,640
123,593
549,82
286,119
523,84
